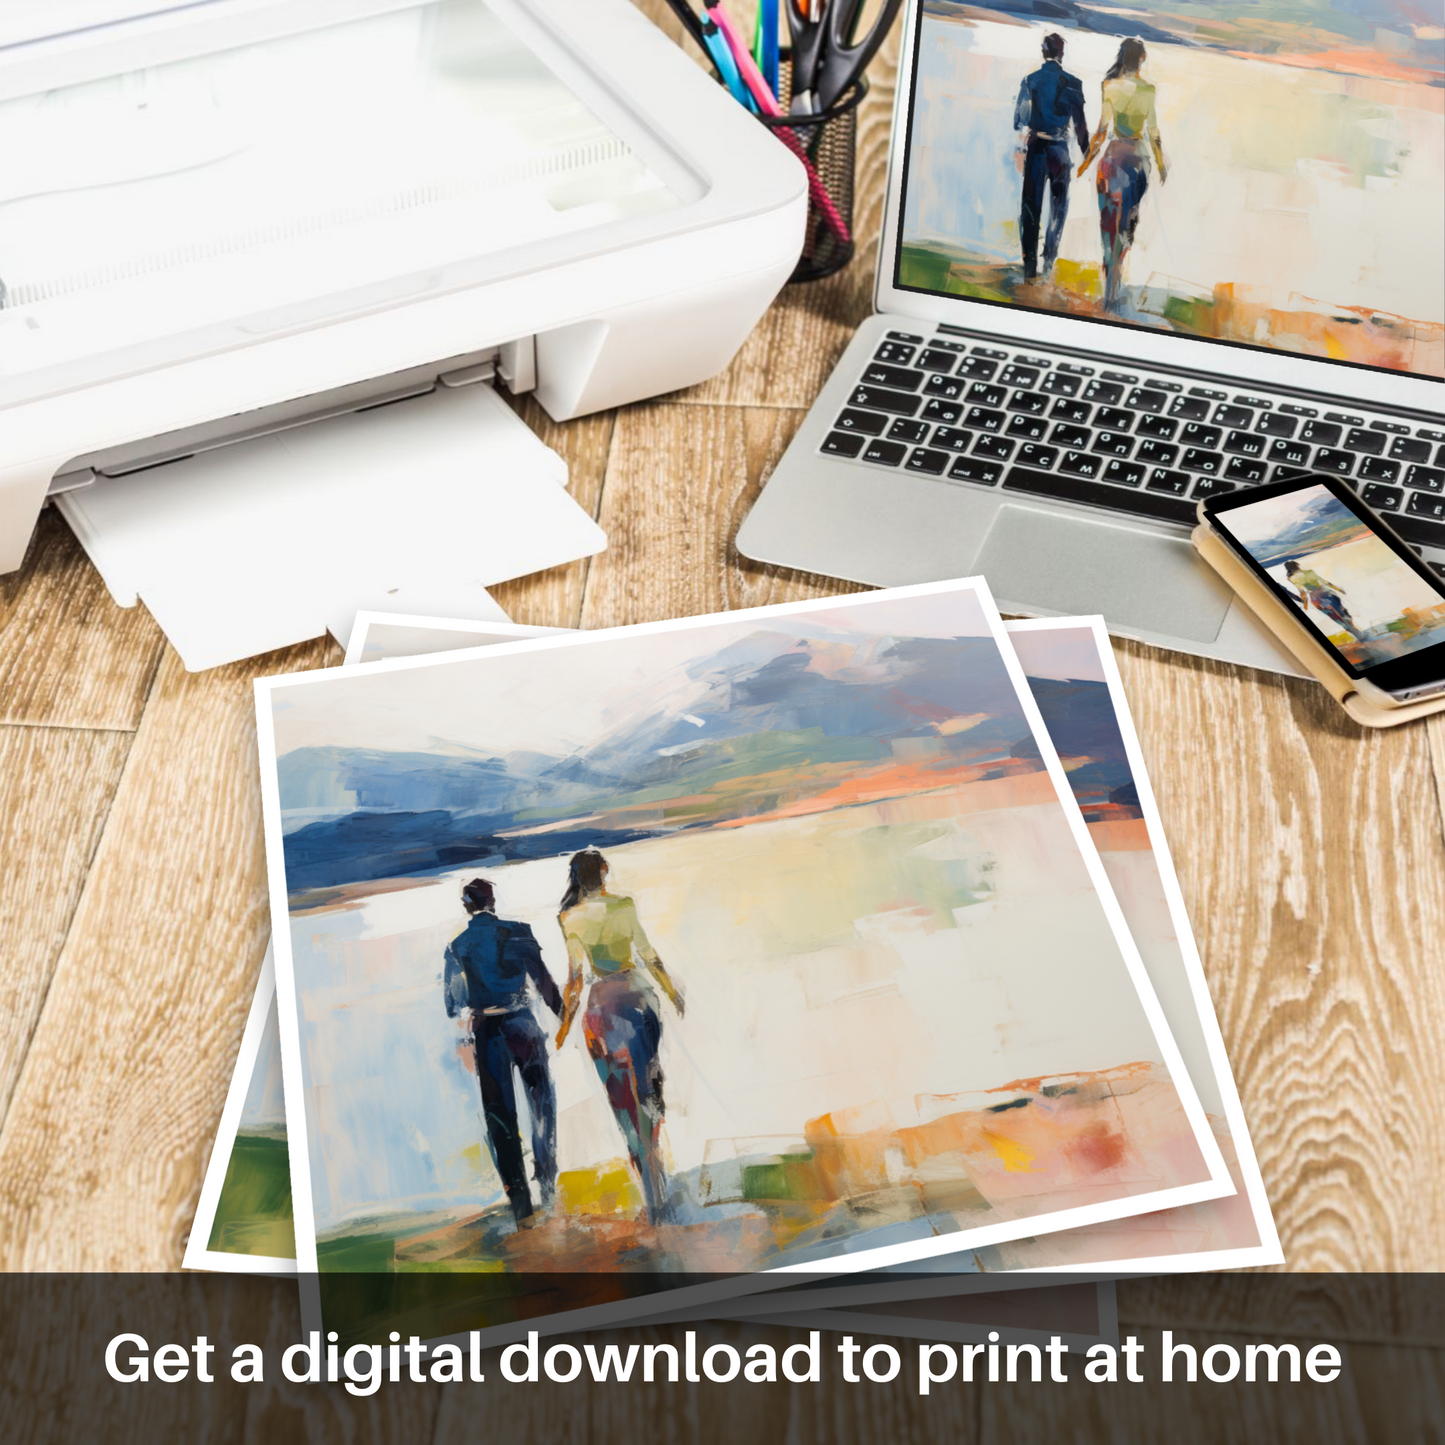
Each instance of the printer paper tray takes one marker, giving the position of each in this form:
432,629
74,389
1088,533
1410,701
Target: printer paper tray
417,506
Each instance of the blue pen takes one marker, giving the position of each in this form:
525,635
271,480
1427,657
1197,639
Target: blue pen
727,67
768,51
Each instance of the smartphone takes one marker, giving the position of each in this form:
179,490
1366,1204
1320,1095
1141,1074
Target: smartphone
1367,599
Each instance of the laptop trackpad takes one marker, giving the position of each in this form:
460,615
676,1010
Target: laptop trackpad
1073,565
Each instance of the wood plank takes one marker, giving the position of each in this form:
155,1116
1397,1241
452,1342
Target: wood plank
1380,1391
69,657
317,1414
116,1106
53,1334
1401,1308
277,1410
708,1413
1312,862
56,786
1401,1394
1435,732
679,482
554,598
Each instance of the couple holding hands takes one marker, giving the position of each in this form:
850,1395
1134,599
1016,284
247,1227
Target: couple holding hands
487,968
1050,109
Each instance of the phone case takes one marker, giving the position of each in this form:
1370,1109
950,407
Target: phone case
1293,631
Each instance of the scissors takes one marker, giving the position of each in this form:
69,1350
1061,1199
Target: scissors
828,56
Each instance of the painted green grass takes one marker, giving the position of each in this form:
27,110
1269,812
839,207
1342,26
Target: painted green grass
366,1253
254,1212
923,267
928,268
789,1177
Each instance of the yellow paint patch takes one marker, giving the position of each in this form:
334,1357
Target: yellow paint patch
1016,1159
1081,277
607,1189
473,1155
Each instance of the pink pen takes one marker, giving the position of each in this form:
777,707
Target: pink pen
768,105
752,76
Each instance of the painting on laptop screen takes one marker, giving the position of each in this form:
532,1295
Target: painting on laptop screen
1269,174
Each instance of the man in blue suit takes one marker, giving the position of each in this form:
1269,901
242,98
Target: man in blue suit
1050,105
487,968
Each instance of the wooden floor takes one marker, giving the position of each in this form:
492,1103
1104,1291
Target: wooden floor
134,916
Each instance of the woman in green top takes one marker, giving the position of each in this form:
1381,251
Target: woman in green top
1127,122
1324,596
620,1025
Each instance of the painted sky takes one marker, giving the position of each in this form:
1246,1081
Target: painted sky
564,700
265,1105
1312,522
766,721
1274,519
1062,653
1367,37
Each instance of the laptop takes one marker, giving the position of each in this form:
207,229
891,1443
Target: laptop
1246,281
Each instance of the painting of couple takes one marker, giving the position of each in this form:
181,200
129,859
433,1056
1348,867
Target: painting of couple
1260,175
838,821
1049,111
487,968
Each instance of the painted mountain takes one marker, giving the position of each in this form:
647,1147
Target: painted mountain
1380,38
765,728
1324,522
1082,722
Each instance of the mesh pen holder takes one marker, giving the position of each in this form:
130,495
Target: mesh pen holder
827,144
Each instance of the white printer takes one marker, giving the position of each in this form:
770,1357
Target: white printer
226,223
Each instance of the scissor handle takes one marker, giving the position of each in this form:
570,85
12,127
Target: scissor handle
809,37
844,60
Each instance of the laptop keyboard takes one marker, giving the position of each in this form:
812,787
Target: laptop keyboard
1136,443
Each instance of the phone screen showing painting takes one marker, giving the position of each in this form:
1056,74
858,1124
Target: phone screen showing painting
1356,591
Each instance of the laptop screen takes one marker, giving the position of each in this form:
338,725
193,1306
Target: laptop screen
1269,175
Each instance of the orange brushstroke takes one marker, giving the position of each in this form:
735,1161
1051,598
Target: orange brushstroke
1136,1073
848,1149
903,780
851,782
1060,1133
1120,835
1345,333
1346,60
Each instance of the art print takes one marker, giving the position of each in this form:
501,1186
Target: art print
801,803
